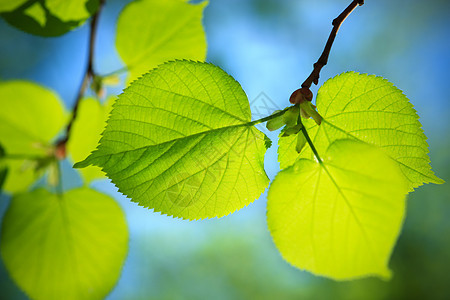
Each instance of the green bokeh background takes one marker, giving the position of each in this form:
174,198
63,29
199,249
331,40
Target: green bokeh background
269,47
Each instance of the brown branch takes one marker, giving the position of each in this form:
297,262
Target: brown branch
314,76
60,151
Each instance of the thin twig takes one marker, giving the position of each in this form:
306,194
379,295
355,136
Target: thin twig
88,76
314,76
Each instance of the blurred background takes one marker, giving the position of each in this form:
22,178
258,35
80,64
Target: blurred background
269,46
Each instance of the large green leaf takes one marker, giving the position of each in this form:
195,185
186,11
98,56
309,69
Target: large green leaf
369,109
50,17
86,131
179,140
150,32
30,117
341,218
69,246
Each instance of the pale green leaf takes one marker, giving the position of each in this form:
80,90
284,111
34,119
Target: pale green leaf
339,219
69,246
369,109
179,140
86,131
150,32
8,5
30,118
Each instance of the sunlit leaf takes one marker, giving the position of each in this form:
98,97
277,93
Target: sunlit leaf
50,17
179,141
30,118
151,32
339,219
69,246
369,109
85,133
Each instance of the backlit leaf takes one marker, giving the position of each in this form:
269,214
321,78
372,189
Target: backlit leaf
30,118
151,32
69,246
369,109
179,140
86,131
339,219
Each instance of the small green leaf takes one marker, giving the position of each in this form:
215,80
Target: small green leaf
86,131
151,32
368,109
179,140
301,142
30,118
291,115
339,219
69,246
275,123
50,17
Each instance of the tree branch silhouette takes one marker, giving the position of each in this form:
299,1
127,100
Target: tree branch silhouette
60,151
323,59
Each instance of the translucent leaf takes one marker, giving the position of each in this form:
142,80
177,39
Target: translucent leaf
179,140
8,5
69,246
86,131
50,17
150,32
30,117
369,109
339,219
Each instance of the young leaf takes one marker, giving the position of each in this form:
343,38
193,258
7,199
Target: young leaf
369,109
30,117
339,219
50,17
179,140
150,32
69,246
86,131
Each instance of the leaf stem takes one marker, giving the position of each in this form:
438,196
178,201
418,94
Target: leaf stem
323,59
89,74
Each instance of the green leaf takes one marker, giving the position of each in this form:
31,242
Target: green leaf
72,10
339,219
8,5
69,246
86,131
30,117
179,140
50,17
150,32
368,109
